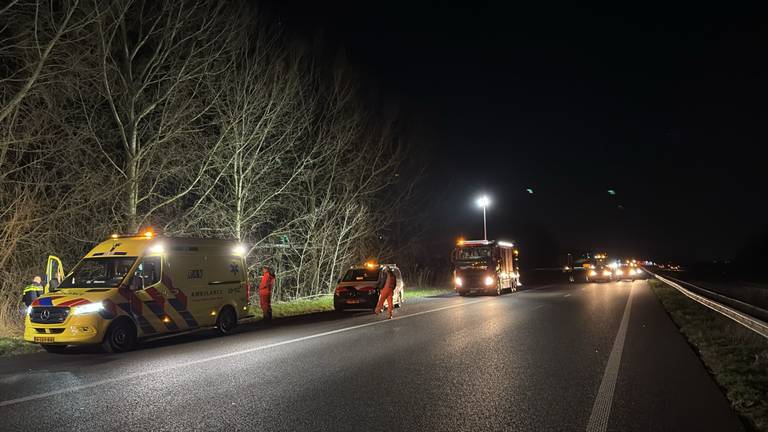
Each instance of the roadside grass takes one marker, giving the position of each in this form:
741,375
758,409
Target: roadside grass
324,303
426,292
290,308
11,345
736,357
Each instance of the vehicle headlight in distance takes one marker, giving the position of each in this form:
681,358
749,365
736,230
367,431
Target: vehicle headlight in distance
489,280
632,271
88,308
592,273
619,272
457,280
606,273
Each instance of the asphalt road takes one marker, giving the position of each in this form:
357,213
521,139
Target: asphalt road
561,357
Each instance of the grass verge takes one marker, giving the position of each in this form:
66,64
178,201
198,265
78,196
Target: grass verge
10,345
325,303
736,357
426,292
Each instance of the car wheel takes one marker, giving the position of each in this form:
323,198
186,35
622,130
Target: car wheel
338,308
55,349
227,320
120,337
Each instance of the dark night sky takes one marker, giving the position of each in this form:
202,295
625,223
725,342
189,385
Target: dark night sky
666,105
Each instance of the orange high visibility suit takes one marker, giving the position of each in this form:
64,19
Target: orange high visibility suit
265,294
386,294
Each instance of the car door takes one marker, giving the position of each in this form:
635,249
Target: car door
399,294
54,273
153,294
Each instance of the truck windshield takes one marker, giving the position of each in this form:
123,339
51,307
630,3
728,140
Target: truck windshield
472,253
99,273
367,275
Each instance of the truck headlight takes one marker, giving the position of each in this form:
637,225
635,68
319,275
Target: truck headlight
457,280
88,308
489,281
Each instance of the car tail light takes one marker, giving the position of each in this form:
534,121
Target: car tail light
340,290
367,289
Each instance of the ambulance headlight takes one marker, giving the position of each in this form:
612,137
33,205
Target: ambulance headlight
457,280
488,281
239,250
29,310
89,308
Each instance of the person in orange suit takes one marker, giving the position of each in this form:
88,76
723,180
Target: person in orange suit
386,293
265,292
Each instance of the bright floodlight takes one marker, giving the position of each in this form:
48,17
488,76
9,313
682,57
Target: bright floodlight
483,201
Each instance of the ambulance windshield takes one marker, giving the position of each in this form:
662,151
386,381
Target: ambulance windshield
99,273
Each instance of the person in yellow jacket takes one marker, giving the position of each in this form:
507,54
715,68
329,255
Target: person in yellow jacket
32,291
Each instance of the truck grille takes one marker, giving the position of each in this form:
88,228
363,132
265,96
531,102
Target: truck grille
48,315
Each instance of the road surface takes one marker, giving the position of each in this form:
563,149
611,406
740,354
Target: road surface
562,357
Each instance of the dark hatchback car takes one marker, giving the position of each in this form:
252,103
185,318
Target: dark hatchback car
360,287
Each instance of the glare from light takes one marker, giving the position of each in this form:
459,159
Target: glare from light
157,248
619,272
114,236
29,310
239,250
489,281
457,280
148,234
505,244
592,273
483,201
88,308
606,272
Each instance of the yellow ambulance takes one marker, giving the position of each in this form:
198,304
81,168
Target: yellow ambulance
138,287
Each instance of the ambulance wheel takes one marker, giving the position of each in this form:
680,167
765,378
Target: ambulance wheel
120,337
55,349
227,320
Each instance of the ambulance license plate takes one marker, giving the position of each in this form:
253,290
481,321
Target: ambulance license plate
353,301
43,339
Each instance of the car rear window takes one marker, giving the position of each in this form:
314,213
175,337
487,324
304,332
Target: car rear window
364,275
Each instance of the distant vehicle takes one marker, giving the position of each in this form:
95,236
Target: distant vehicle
599,273
627,271
130,288
360,287
485,267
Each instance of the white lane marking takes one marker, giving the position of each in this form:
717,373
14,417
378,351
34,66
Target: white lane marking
223,356
601,410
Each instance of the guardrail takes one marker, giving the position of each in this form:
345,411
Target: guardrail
758,326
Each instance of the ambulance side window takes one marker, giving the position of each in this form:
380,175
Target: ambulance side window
149,271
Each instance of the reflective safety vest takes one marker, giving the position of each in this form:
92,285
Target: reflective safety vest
32,287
